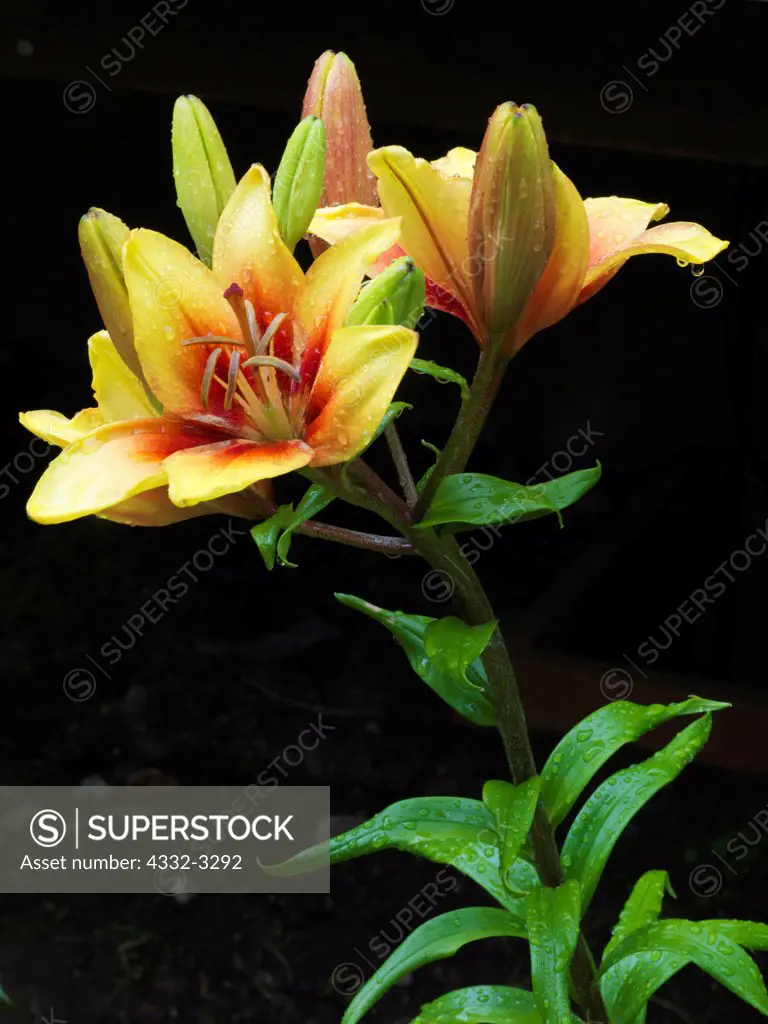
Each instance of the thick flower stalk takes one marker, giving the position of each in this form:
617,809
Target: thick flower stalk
249,361
438,202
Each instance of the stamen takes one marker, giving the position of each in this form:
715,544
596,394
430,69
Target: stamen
210,366
234,369
251,313
278,364
234,296
270,332
207,339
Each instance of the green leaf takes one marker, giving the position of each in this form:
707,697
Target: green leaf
434,940
750,934
315,500
642,972
447,830
479,499
465,693
601,821
513,808
582,752
422,483
553,917
394,410
442,373
452,645
642,907
267,534
628,986
481,1004
710,949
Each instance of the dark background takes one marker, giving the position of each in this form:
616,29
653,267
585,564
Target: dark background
670,372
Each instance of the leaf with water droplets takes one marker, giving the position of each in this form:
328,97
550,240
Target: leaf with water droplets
434,940
461,684
582,752
628,986
513,808
442,373
700,943
553,930
479,499
447,830
601,821
642,907
273,536
481,1004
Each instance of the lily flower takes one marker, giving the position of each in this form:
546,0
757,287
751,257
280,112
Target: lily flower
593,238
250,362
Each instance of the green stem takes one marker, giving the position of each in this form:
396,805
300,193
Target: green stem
445,555
469,423
400,460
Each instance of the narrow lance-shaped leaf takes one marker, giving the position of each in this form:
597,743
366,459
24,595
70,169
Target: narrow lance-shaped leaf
479,499
707,947
273,536
465,692
553,931
641,972
582,752
434,940
513,808
481,1004
609,810
444,374
447,830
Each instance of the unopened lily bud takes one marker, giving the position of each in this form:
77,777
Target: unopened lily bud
101,243
299,180
511,216
335,95
202,171
394,297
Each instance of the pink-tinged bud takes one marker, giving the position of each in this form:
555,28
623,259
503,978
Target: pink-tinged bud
334,94
511,216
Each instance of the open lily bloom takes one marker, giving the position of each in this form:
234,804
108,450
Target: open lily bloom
249,361
593,237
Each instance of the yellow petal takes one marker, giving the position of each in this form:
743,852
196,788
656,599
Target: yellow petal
457,163
248,249
174,297
226,467
118,393
332,223
57,429
108,466
358,376
434,208
560,285
154,508
334,279
618,230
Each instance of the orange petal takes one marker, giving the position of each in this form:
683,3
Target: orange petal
175,297
618,230
154,508
226,467
249,250
559,286
358,376
434,207
334,279
112,464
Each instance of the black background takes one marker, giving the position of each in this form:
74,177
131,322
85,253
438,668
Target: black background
672,381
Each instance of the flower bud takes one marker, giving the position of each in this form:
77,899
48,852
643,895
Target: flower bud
394,297
202,171
299,180
101,243
334,94
511,216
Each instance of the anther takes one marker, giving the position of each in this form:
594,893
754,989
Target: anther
278,364
271,331
234,369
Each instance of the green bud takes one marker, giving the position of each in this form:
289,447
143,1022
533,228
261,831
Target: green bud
202,171
299,180
102,237
395,296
